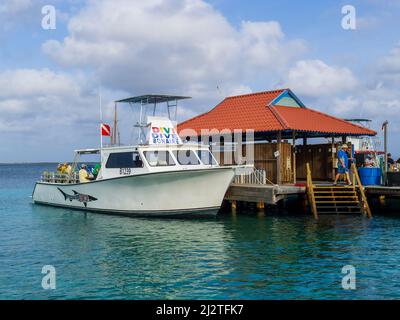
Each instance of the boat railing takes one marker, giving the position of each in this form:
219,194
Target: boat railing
257,176
55,177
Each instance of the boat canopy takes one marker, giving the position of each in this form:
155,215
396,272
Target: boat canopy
87,151
152,99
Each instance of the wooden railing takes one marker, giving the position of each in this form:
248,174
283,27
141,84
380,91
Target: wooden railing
356,178
310,192
258,177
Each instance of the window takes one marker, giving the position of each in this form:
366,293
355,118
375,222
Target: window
186,157
159,158
206,157
124,160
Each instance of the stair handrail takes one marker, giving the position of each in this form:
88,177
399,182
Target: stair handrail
310,192
366,207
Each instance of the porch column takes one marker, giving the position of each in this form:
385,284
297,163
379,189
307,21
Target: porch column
294,157
279,158
333,157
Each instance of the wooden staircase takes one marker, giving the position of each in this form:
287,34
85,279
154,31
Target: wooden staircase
330,199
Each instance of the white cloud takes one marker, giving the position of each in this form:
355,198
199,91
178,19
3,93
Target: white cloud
390,64
14,6
337,91
264,45
314,78
32,99
346,106
382,100
32,82
171,46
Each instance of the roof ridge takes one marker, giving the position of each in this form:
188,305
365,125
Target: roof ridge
336,118
279,117
256,93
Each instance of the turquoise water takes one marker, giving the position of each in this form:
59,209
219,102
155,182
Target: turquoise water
231,257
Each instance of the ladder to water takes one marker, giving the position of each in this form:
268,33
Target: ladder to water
331,199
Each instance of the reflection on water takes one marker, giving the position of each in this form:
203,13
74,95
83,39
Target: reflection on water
229,257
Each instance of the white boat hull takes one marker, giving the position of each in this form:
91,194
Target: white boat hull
188,192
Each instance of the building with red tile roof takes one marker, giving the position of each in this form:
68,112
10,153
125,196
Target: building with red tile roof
270,112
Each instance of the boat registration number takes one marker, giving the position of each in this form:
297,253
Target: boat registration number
125,171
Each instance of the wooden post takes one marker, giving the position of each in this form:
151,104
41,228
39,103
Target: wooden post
310,192
333,157
385,145
364,198
233,206
260,205
279,158
294,157
304,141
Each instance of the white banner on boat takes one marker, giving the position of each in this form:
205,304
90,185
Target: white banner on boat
162,131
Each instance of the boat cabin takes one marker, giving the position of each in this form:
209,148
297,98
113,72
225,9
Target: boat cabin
159,147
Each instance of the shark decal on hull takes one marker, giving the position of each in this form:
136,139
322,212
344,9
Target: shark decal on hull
84,198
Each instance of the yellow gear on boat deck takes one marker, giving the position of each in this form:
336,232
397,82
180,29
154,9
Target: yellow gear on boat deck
83,176
68,170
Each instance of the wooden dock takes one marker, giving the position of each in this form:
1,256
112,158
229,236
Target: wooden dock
269,194
378,191
322,196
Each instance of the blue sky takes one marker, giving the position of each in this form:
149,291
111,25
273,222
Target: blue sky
50,78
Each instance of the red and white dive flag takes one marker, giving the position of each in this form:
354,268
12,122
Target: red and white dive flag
105,130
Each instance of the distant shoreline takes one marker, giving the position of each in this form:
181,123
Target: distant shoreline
21,163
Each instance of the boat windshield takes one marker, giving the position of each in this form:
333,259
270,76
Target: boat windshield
186,157
159,158
206,157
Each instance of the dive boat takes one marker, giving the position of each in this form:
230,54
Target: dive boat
160,176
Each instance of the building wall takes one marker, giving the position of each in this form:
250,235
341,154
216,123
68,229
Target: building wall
318,156
264,158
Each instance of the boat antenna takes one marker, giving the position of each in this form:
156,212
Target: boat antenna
101,117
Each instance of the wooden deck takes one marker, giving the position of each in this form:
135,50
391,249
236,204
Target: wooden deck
269,194
383,191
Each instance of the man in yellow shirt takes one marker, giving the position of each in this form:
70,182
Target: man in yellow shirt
84,175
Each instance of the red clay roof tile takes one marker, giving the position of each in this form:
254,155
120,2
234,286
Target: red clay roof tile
253,111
